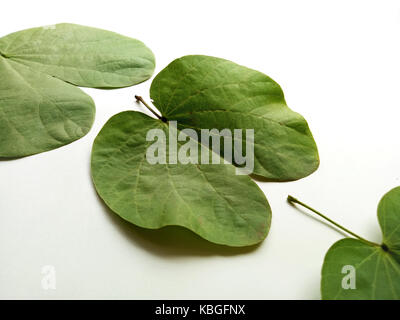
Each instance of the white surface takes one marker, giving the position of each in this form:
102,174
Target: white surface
338,64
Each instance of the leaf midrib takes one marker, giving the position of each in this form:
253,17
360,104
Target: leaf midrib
22,62
246,114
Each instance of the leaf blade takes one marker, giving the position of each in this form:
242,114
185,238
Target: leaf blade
210,199
36,122
389,219
379,278
202,92
376,278
53,59
83,56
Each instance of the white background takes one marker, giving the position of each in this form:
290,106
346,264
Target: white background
338,64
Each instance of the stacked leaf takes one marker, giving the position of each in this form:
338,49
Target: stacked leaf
40,107
202,92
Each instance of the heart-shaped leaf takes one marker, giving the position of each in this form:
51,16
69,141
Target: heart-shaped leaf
357,269
377,268
40,109
209,199
202,92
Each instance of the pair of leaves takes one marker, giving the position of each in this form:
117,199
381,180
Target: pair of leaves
202,92
377,268
40,106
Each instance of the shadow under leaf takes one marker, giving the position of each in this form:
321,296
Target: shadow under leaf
171,241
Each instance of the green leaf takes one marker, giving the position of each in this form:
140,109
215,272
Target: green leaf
83,56
202,92
40,109
209,199
38,112
389,220
377,268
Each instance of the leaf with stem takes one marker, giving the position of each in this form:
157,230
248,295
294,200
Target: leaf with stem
376,266
208,199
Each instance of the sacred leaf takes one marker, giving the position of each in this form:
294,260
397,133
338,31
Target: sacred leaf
357,269
209,199
202,92
40,109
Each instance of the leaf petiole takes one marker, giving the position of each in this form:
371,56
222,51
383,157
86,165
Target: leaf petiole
140,99
293,200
